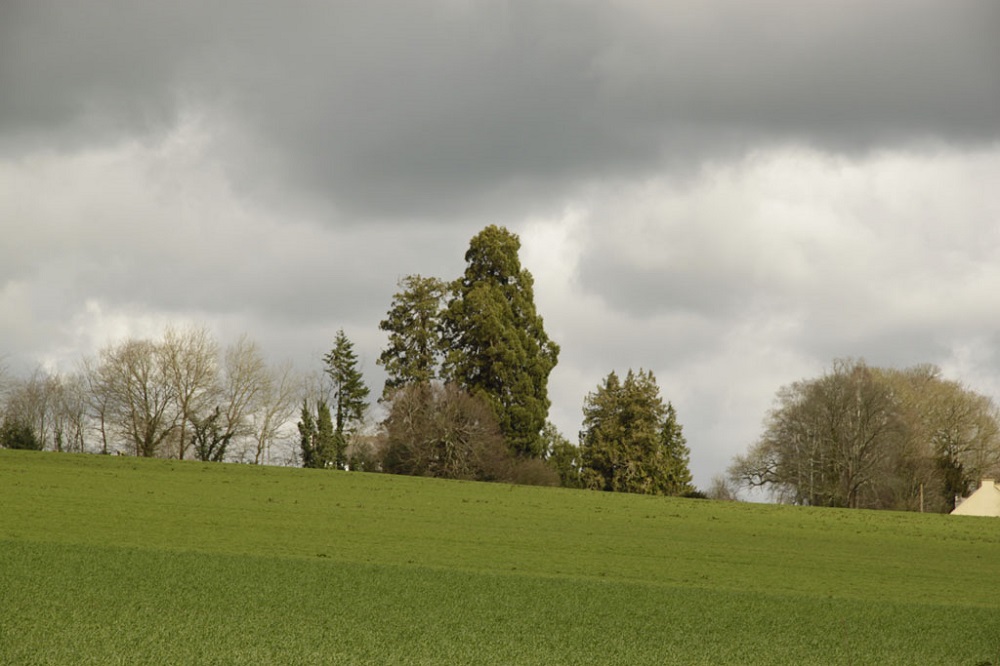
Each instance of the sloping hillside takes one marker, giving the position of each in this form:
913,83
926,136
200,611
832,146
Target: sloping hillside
121,560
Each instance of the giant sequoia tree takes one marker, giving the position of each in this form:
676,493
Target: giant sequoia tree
497,345
631,441
870,437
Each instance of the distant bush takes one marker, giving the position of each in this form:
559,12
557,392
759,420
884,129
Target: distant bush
16,434
363,455
532,472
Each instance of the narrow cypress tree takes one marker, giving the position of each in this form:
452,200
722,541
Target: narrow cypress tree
677,479
307,437
317,437
329,453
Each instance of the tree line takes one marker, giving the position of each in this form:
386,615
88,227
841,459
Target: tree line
467,364
179,396
879,438
466,396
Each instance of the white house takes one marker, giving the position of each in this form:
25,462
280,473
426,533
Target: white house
984,502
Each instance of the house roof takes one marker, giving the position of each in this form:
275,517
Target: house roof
984,502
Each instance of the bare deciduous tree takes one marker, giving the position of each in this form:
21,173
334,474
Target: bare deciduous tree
875,438
36,403
98,401
244,373
139,393
435,430
955,437
276,405
156,397
723,489
190,363
72,413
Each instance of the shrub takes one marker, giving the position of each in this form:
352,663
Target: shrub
16,434
440,430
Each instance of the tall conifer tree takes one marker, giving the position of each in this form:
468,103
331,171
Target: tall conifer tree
316,436
350,395
497,345
414,327
631,442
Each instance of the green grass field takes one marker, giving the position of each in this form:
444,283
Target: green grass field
127,561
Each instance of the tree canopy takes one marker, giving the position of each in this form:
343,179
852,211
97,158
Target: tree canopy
631,441
440,430
15,434
497,345
868,437
413,323
208,438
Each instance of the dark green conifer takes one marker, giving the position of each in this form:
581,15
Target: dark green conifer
632,442
497,347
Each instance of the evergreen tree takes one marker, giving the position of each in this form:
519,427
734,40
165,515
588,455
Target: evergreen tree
317,436
414,326
307,436
562,456
350,394
631,441
328,443
675,450
497,345
16,434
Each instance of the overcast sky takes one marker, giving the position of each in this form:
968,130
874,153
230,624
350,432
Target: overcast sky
729,194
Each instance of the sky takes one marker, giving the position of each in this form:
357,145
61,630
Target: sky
731,195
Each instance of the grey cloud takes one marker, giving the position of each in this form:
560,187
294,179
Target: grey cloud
400,109
637,291
850,72
314,276
80,73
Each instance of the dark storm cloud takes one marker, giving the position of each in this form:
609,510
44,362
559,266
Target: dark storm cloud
79,73
400,108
